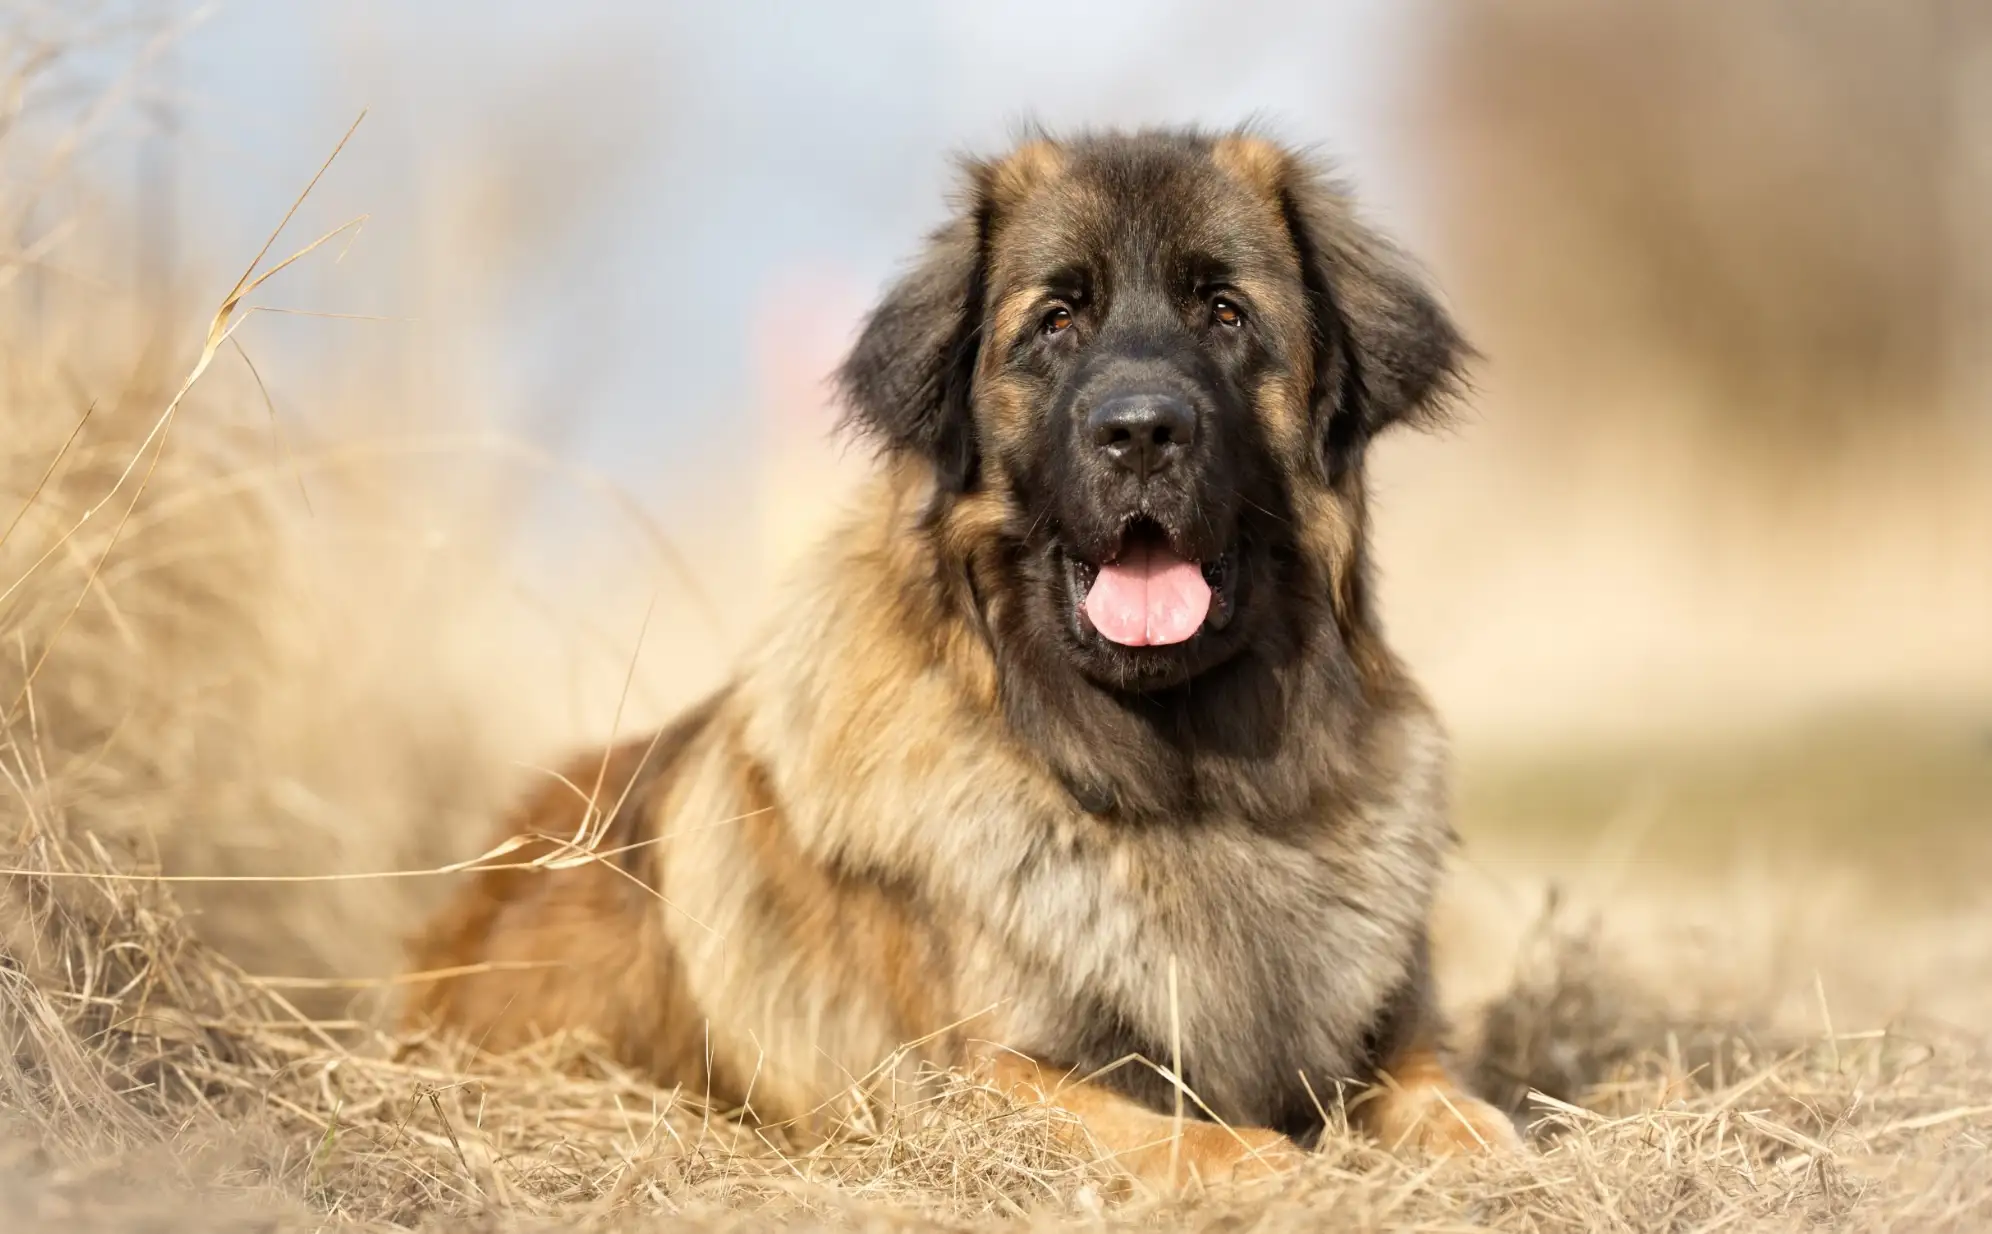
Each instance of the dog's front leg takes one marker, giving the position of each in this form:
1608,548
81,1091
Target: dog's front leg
1153,1147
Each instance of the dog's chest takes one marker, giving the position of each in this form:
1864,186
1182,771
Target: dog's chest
1257,959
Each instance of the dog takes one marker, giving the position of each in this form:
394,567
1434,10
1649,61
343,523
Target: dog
1076,755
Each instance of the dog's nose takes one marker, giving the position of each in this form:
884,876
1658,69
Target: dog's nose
1143,432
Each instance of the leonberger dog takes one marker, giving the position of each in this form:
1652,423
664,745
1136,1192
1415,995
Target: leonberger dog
1076,755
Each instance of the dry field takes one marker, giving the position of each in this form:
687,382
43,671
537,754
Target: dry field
248,713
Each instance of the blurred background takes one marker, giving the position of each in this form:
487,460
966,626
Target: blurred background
1703,581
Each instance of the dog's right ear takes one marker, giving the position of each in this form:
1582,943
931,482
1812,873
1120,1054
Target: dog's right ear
908,381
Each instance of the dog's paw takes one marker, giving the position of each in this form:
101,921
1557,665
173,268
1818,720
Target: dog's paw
1212,1153
1439,1119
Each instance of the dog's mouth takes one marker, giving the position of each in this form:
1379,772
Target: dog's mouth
1147,593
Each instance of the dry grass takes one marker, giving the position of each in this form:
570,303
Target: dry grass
1730,455
140,1062
190,683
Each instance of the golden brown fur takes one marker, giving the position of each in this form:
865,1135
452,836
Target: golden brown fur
920,827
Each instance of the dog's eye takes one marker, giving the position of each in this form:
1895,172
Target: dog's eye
1226,313
1058,320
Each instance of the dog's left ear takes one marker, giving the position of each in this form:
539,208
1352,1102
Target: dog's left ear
1385,350
909,379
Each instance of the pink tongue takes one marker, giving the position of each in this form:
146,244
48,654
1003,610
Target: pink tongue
1149,598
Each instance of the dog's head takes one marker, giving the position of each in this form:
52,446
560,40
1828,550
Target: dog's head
1151,363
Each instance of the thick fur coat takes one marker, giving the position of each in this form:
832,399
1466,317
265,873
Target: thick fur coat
939,818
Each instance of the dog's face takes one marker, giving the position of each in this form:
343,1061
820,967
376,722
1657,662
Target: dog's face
1151,363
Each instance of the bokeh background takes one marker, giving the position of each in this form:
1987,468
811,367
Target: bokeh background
1702,581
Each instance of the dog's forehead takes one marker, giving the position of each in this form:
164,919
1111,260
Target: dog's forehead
1128,205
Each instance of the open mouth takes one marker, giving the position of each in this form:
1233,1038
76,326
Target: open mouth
1150,595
